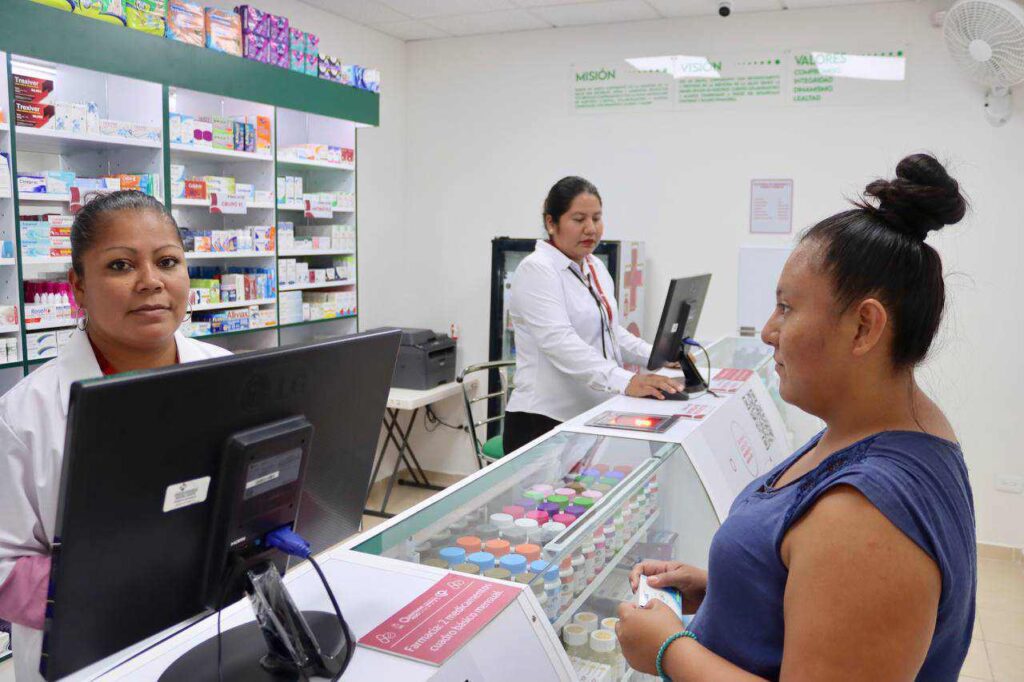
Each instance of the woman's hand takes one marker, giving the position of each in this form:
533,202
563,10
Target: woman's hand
641,633
691,582
651,386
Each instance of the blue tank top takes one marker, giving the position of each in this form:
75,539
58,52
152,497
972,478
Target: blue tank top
918,481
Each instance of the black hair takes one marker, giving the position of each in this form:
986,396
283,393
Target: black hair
561,196
878,249
90,219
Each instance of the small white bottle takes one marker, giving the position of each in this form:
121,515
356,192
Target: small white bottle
576,640
587,619
600,556
579,570
589,561
602,650
567,576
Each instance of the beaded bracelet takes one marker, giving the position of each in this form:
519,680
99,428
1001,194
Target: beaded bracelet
664,648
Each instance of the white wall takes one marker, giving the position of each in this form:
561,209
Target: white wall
490,129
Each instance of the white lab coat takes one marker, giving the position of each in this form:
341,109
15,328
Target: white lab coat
567,360
33,419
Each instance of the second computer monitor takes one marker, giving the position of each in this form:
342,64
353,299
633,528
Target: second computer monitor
679,318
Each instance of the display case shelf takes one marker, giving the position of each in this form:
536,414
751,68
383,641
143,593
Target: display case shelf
6,365
316,164
62,142
9,328
42,326
8,261
309,322
233,304
319,285
238,333
296,253
220,255
218,154
302,207
588,591
43,197
47,260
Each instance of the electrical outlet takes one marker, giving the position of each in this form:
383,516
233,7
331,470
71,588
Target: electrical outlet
1008,483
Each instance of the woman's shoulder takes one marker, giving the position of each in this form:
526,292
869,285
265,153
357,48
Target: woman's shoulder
35,394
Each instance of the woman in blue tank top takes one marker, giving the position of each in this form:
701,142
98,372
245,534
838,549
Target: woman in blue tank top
854,559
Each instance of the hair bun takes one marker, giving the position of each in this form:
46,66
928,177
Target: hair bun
922,198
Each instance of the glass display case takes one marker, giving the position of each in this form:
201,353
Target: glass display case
569,517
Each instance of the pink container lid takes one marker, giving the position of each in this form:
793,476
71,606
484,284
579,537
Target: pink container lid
568,492
541,517
543,488
594,494
515,511
603,468
624,468
567,519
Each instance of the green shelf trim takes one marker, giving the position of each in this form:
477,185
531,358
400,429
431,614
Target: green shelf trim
16,363
34,30
326,319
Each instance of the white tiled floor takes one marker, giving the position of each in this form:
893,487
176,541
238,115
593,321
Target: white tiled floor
997,650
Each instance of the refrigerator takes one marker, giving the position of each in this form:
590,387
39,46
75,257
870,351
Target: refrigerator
625,261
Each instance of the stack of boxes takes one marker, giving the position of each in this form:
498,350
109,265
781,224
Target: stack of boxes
35,107
186,22
308,306
47,236
146,16
325,237
290,194
253,238
343,156
236,133
236,320
46,344
269,39
304,50
223,31
8,346
296,272
61,182
212,285
183,187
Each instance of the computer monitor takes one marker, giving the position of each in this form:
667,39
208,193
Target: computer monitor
679,320
142,467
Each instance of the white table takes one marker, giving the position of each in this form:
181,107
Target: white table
409,400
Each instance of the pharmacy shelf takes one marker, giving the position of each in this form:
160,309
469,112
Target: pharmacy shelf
315,252
44,260
62,142
316,164
603,575
43,197
222,154
9,328
241,331
319,285
5,365
205,203
8,261
220,255
302,207
233,304
326,319
42,326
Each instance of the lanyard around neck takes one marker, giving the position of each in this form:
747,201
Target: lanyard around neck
602,307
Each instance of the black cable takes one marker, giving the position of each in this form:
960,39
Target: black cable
708,383
430,418
349,648
220,660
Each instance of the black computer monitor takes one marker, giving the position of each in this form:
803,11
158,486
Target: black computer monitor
145,454
679,320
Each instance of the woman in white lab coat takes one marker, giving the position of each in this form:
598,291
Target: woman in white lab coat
131,284
570,344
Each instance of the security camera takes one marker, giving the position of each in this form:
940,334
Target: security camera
724,8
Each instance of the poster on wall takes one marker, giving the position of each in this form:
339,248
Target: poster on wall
794,77
771,206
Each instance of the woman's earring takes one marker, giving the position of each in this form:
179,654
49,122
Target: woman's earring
83,321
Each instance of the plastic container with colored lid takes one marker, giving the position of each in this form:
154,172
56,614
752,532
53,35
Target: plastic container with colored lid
588,620
499,573
515,511
497,547
535,495
453,555
529,550
564,519
526,503
514,563
545,568
541,517
593,494
472,569
602,640
502,520
542,488
469,544
575,635
609,624
576,487
560,500
617,475
550,508
582,502
436,563
575,510
482,560
567,492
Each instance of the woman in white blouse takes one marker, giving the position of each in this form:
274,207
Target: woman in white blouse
570,345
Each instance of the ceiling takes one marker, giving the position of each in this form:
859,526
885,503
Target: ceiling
429,19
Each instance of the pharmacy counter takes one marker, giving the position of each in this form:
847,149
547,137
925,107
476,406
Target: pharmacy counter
581,506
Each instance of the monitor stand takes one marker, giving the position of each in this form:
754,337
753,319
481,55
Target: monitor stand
694,381
284,644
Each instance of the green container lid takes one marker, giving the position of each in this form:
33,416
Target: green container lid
560,500
587,502
586,481
472,569
499,573
534,495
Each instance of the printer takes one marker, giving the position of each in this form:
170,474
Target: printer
425,360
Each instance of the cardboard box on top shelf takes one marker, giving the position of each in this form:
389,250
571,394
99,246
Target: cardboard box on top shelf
186,22
148,16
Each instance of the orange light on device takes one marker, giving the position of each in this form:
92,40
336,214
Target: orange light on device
632,421
644,422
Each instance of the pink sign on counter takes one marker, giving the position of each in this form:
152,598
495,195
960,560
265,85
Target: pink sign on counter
436,624
730,380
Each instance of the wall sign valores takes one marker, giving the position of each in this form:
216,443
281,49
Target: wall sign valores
34,30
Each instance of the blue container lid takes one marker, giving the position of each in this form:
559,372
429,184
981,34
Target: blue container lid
484,560
593,473
514,563
546,568
453,555
615,474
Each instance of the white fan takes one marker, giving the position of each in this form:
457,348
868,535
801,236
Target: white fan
986,37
